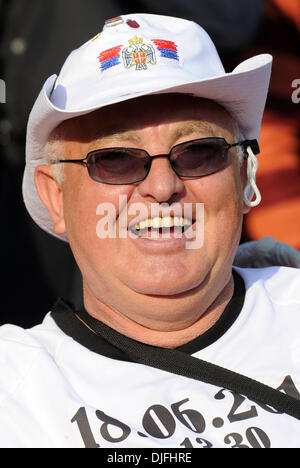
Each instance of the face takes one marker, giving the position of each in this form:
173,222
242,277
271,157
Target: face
156,266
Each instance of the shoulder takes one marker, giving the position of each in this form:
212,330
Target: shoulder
17,353
21,350
17,340
280,284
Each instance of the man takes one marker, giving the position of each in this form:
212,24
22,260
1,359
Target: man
33,43
142,155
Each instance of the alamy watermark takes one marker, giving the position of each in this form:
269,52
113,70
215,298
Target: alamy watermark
2,92
296,93
159,221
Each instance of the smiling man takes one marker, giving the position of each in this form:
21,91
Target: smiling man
127,278
144,129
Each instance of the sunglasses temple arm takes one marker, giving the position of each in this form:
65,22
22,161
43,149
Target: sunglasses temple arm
58,161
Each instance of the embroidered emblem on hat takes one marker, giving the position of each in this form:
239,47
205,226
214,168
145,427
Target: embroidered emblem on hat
110,57
132,23
138,54
167,49
114,21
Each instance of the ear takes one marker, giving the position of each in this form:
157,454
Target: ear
50,193
246,208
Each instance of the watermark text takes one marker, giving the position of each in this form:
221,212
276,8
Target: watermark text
2,92
157,221
296,92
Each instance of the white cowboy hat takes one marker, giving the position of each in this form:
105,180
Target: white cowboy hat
137,55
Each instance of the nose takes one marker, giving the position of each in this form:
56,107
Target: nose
161,184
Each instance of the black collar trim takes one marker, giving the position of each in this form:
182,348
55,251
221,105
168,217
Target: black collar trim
64,316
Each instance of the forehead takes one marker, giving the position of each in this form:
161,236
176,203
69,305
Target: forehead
176,110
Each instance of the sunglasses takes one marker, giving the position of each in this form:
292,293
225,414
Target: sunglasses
194,158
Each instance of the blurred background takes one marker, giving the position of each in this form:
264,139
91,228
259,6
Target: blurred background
35,38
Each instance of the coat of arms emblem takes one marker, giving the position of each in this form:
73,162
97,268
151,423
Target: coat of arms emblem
138,54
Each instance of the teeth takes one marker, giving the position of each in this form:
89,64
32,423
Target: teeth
156,222
166,221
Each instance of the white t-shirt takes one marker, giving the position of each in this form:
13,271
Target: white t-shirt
63,386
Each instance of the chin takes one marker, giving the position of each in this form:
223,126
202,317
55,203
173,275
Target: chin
163,287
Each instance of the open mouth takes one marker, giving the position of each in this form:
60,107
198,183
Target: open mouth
166,226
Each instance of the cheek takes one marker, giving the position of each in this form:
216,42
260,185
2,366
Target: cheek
222,196
220,190
90,211
79,203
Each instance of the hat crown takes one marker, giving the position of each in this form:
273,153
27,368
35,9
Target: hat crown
166,50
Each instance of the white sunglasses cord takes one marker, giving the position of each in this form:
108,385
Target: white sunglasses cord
251,187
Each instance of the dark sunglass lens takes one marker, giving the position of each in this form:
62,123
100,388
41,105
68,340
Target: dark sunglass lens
199,157
118,166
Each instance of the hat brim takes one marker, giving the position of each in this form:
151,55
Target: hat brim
242,92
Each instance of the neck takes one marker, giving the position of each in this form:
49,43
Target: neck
167,322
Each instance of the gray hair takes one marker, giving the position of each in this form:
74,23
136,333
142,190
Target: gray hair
53,151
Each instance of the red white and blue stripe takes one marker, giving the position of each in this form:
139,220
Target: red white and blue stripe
114,21
109,58
167,49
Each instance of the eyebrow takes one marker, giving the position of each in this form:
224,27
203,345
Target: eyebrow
116,133
193,127
124,133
